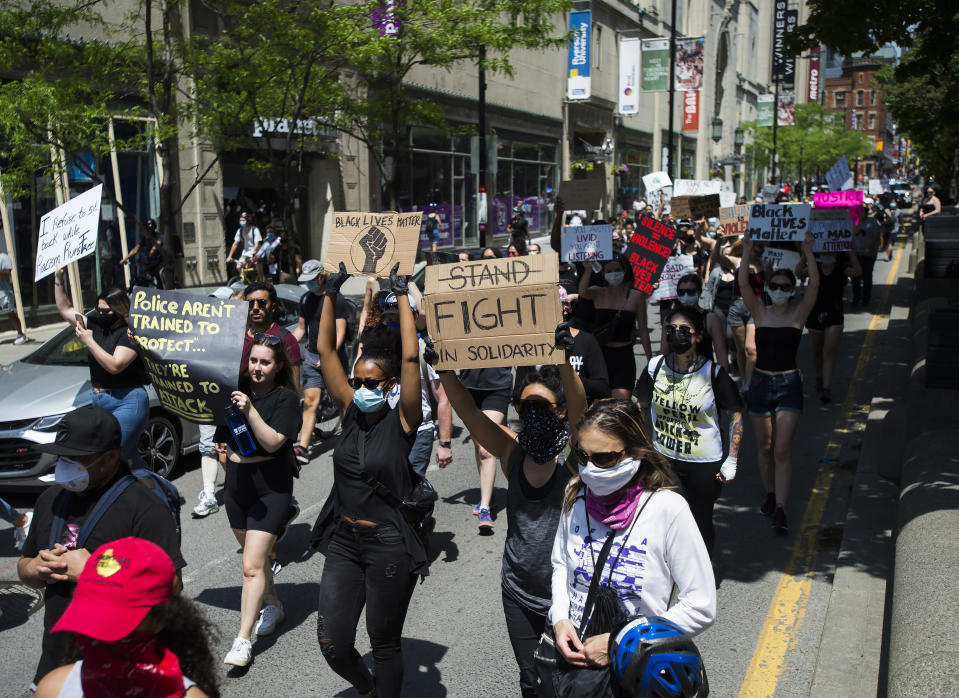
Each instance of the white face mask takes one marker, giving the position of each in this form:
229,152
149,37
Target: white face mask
71,475
779,297
614,278
605,481
689,298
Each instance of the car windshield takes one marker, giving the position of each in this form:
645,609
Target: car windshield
64,349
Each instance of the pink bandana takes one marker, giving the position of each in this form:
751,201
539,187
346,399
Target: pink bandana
615,510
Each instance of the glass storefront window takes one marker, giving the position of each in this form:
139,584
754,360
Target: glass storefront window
687,165
629,184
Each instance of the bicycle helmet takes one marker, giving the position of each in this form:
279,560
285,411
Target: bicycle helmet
151,225
388,303
653,658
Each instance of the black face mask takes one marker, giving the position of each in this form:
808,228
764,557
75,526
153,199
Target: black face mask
105,319
678,342
544,433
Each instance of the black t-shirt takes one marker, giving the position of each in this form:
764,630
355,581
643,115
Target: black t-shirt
311,309
587,360
137,512
280,409
109,339
486,378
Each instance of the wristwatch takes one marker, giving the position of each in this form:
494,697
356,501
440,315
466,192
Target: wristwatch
446,444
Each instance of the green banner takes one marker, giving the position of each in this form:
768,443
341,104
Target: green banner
655,66
765,107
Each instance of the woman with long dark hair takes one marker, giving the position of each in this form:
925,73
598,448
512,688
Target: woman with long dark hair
373,555
622,493
259,485
117,375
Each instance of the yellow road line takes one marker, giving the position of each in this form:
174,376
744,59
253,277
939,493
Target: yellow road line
780,632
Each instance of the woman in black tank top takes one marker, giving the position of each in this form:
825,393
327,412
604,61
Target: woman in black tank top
550,401
775,389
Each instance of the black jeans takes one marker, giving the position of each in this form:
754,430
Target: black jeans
365,566
525,628
701,489
862,285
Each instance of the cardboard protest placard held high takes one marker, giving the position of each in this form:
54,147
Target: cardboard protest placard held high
778,222
832,230
583,194
778,258
494,312
647,251
68,232
849,199
371,243
582,243
656,180
191,347
734,220
676,267
694,207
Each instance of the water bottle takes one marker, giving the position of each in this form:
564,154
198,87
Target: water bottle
242,437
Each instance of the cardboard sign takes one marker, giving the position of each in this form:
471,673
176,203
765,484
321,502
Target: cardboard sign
694,207
838,176
656,180
778,258
371,243
494,312
587,242
850,199
68,232
647,251
583,194
675,268
832,230
191,347
734,220
778,222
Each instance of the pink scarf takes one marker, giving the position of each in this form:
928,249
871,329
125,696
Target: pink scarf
615,510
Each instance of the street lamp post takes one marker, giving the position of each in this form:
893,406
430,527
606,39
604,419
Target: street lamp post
717,125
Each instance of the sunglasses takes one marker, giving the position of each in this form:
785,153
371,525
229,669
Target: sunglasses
524,405
600,460
368,383
104,311
681,330
270,339
773,286
258,302
687,290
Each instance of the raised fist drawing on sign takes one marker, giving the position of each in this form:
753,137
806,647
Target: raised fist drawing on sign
373,243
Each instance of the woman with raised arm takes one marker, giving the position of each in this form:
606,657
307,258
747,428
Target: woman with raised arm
373,555
775,397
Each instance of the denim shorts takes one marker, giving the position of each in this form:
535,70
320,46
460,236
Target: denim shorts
310,375
771,393
738,315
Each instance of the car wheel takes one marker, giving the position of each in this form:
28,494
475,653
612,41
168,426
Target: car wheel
159,445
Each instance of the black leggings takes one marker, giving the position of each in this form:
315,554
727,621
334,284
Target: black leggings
701,489
365,566
525,628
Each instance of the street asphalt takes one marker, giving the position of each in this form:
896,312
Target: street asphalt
455,640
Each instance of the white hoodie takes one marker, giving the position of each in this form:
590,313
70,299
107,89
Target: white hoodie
665,546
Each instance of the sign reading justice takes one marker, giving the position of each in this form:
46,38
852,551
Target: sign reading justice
494,312
191,347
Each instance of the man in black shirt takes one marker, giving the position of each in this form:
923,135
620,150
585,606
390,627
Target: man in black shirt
88,444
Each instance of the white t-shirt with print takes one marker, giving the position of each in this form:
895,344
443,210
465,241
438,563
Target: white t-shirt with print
249,236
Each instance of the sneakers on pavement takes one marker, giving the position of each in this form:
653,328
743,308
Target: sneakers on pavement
476,510
206,506
270,617
302,455
291,514
769,504
779,522
21,339
240,654
276,566
485,522
20,532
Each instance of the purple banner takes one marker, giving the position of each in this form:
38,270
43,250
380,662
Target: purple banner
385,20
534,208
450,217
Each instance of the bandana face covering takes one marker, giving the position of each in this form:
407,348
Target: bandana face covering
544,434
606,481
137,665
616,510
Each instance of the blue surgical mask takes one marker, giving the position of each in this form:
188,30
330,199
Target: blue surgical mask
369,400
313,285
779,297
689,298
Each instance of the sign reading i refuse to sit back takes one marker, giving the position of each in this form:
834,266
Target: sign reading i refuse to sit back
494,312
647,251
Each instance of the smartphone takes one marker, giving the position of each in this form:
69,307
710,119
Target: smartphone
81,320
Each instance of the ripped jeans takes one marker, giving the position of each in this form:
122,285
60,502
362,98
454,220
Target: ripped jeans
365,565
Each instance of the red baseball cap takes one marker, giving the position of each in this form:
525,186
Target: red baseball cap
119,585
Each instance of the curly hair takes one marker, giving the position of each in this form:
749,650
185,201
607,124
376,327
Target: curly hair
384,346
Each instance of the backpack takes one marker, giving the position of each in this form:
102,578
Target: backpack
160,486
661,359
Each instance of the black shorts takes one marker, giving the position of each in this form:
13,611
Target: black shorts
823,316
621,367
493,400
258,495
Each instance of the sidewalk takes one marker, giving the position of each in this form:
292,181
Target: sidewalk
10,352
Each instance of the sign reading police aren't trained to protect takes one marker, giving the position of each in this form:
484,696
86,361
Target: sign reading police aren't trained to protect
191,347
494,312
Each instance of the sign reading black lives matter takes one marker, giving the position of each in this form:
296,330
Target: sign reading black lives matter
369,244
191,347
778,222
494,312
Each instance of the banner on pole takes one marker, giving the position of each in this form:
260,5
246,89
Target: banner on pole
628,76
580,55
691,110
68,233
764,110
690,52
813,92
655,65
778,222
787,110
647,251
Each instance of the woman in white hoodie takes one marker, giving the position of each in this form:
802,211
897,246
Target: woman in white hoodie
623,490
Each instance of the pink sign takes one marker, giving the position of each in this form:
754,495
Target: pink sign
850,198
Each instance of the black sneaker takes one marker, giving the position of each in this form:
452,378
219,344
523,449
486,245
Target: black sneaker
779,522
769,504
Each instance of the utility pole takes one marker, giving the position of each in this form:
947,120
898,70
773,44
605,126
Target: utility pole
481,201
775,125
672,78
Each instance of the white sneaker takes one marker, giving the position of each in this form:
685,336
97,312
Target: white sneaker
206,506
20,532
21,339
240,654
270,617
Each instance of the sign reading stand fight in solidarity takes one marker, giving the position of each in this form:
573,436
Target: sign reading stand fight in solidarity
647,251
369,244
778,222
68,232
581,243
494,312
191,347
